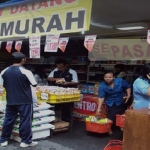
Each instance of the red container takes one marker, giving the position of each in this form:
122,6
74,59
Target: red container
97,127
114,145
120,119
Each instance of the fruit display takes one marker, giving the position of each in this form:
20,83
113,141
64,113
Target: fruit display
98,119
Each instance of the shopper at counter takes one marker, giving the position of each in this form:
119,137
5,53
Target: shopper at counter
62,75
141,88
112,91
17,80
119,71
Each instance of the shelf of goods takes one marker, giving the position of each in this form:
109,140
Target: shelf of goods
78,63
56,95
96,70
43,117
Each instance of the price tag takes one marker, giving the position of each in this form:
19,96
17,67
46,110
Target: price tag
44,96
51,43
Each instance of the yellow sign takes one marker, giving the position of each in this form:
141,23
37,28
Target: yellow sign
46,16
120,49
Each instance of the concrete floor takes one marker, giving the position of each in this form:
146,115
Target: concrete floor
78,140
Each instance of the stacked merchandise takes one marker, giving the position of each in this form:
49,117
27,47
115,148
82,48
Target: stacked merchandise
54,94
90,88
41,125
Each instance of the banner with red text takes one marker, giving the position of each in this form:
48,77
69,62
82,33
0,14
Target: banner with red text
89,42
44,17
63,43
34,46
52,42
120,49
18,45
9,46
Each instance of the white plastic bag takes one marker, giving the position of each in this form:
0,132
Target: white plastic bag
34,97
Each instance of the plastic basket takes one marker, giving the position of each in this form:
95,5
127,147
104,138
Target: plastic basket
114,145
120,119
97,127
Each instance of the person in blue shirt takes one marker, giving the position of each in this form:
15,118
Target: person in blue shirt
115,92
141,88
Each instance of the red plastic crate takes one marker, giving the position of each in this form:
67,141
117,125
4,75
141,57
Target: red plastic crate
97,127
114,145
120,119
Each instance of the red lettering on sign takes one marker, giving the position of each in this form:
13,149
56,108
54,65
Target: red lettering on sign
1,12
43,4
115,50
14,10
96,48
58,2
23,8
35,53
138,50
52,46
33,6
126,51
105,48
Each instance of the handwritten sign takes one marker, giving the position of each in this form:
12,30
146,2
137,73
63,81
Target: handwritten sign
34,45
51,44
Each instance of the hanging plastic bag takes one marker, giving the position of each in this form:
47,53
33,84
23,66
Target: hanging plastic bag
34,97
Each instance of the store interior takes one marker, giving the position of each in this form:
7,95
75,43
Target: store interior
106,19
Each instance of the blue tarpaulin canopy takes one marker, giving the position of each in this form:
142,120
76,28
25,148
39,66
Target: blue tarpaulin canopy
8,3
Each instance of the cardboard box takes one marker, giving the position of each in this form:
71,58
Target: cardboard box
61,126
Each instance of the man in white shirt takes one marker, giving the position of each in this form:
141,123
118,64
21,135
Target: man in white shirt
62,75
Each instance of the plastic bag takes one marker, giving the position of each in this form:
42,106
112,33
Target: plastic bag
34,97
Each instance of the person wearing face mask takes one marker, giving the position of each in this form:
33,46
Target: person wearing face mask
112,91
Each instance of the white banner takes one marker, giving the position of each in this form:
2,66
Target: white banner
51,44
120,49
63,43
89,42
18,45
34,45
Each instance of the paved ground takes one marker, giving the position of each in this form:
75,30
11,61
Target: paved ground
78,140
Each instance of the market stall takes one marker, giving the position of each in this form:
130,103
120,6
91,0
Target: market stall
43,39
